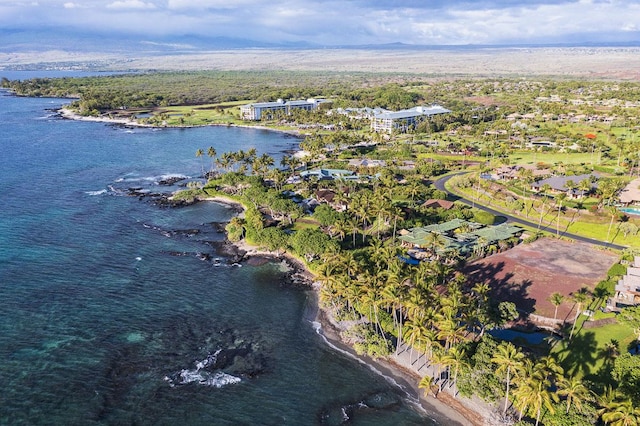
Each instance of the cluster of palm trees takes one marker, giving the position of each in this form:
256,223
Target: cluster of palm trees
430,311
239,161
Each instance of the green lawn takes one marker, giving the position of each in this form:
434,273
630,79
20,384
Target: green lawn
585,353
305,224
189,115
529,157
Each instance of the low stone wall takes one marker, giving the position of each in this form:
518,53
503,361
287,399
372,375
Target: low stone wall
598,323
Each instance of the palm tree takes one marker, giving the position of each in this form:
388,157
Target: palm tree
556,300
574,390
199,154
435,241
509,359
613,212
455,358
580,297
211,152
559,200
622,413
533,391
427,384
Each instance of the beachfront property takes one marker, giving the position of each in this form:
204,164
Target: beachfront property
359,113
255,111
404,120
461,236
627,291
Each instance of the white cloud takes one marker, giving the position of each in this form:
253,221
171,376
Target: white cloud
327,22
130,4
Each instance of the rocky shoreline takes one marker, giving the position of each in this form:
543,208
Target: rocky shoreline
446,409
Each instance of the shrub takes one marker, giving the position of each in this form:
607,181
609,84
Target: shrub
617,270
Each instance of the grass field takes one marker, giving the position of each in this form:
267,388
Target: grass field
199,115
529,157
585,354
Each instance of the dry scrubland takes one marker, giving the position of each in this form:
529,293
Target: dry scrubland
601,62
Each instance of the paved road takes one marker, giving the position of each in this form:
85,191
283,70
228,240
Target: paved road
440,184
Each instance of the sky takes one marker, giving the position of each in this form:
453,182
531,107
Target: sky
337,22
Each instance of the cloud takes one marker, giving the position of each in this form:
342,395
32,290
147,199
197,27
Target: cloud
130,4
342,22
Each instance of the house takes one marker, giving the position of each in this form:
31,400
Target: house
630,194
367,163
329,174
457,235
329,197
627,291
404,120
558,184
441,204
255,111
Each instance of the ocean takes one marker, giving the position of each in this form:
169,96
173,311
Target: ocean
115,310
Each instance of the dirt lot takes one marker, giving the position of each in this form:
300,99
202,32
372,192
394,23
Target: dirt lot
529,273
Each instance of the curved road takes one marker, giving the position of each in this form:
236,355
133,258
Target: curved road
440,184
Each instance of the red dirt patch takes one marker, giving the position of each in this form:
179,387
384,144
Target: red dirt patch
528,274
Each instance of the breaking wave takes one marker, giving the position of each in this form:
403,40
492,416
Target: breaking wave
201,376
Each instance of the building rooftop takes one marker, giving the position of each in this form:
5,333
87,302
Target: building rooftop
413,112
631,192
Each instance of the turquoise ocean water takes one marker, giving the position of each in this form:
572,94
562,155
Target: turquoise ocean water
108,313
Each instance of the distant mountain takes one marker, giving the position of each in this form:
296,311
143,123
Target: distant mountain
50,39
44,40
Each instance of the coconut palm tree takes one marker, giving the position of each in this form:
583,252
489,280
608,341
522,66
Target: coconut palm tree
455,358
575,392
509,360
580,297
533,393
559,201
199,154
556,300
211,152
427,384
622,413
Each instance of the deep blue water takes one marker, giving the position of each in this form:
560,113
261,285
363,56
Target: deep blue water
102,323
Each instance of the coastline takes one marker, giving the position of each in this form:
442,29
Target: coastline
456,411
68,114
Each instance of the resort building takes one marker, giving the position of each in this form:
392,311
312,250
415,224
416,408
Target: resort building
360,113
404,120
256,111
457,235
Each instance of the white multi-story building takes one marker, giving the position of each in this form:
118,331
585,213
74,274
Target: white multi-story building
405,119
255,111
